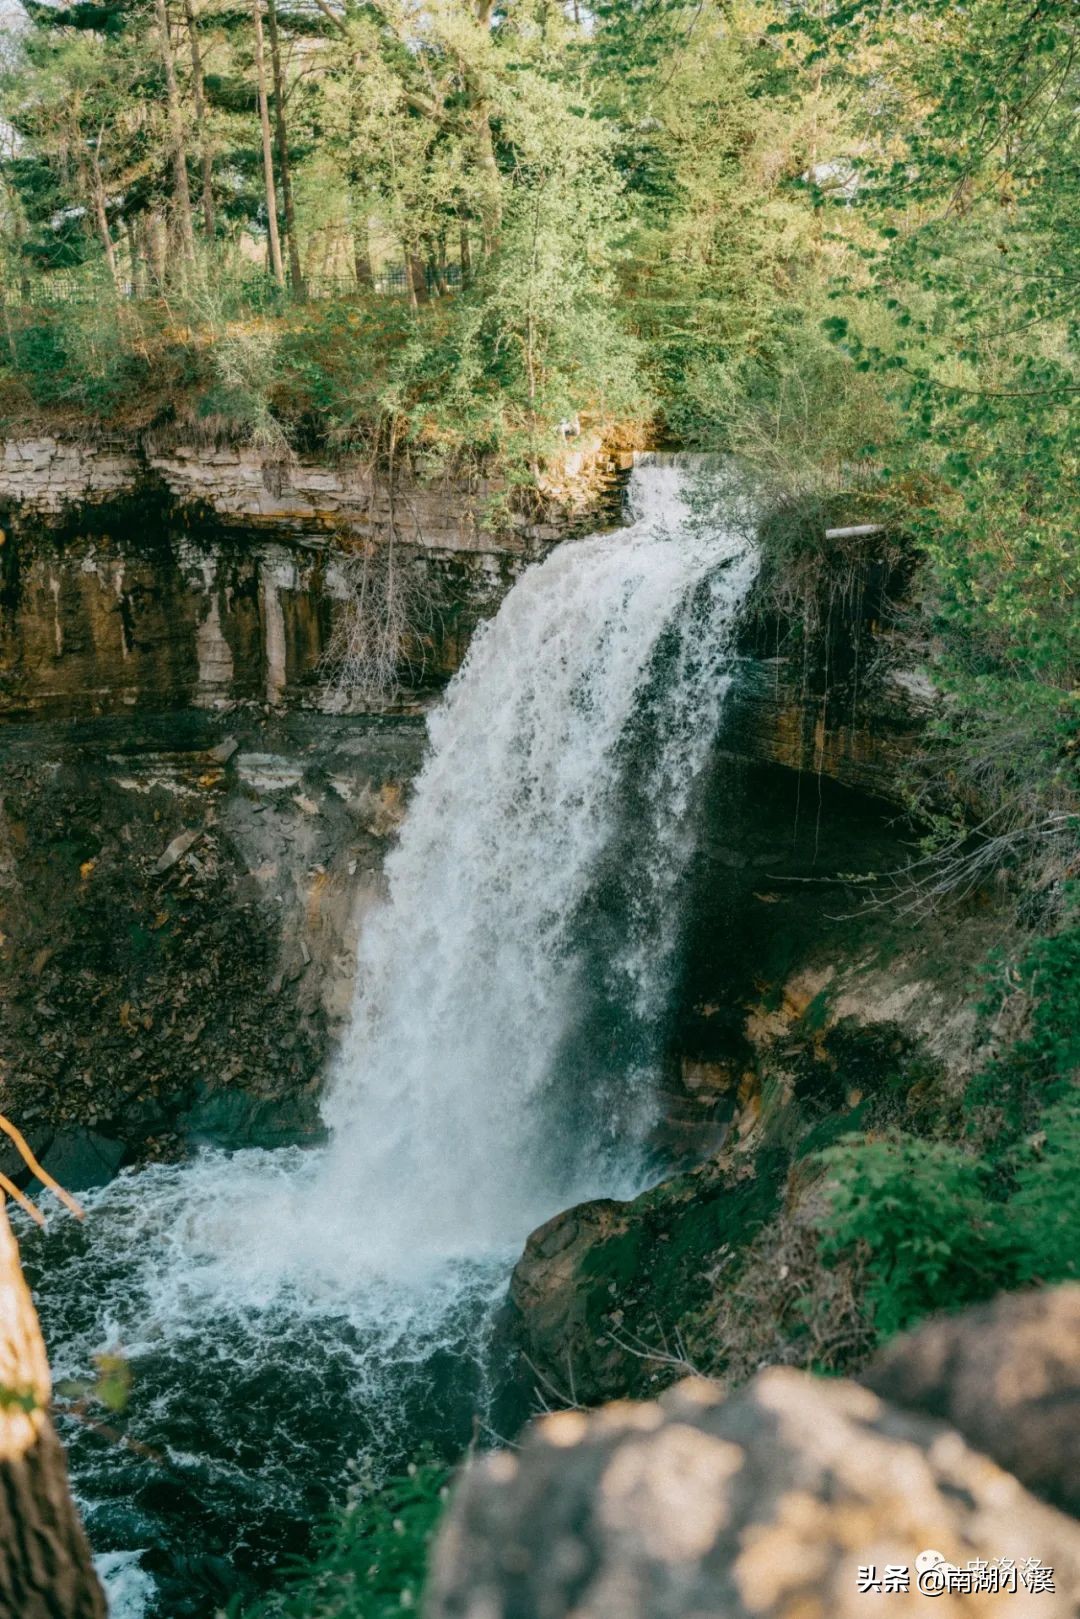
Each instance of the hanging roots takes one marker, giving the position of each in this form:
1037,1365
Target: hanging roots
376,636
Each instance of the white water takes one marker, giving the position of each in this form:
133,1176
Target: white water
129,1590
534,888
471,977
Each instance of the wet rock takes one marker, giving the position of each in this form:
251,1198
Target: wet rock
132,997
79,1159
1007,1376
598,1291
766,1504
232,1118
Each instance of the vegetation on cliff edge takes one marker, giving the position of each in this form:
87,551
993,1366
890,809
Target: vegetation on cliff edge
839,241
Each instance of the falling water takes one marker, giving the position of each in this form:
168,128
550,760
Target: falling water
471,978
501,1061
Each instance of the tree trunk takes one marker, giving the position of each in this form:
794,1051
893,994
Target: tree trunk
485,141
362,256
437,265
176,133
45,1566
133,257
97,190
418,287
154,240
267,148
296,276
492,203
198,90
466,255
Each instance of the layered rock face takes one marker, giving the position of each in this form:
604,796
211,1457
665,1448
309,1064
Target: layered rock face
796,1498
143,576
241,485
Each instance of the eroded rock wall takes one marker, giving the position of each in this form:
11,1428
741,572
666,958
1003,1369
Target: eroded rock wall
179,905
51,477
156,576
151,616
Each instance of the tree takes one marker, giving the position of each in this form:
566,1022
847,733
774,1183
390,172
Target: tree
201,118
281,131
267,147
176,132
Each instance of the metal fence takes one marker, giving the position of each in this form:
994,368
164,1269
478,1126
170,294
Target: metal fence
392,280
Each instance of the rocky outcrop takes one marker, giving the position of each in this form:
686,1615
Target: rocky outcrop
797,1498
1006,1376
861,733
131,609
50,477
601,1293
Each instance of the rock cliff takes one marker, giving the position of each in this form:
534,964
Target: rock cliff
144,575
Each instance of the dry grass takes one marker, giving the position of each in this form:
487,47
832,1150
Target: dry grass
783,1307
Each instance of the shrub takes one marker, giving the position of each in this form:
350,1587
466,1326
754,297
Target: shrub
1046,1204
371,1557
918,1212
1033,1070
922,1218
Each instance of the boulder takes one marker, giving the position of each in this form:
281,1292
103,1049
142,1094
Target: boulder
792,1498
598,1296
1007,1376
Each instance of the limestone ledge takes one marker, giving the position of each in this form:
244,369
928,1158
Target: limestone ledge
47,477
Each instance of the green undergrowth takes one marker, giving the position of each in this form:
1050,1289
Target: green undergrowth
436,389
370,1559
937,1224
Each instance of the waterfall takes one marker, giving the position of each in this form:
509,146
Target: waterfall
471,977
501,1062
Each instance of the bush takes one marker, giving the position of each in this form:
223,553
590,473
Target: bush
918,1212
1034,1069
932,1237
1046,1204
371,1557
